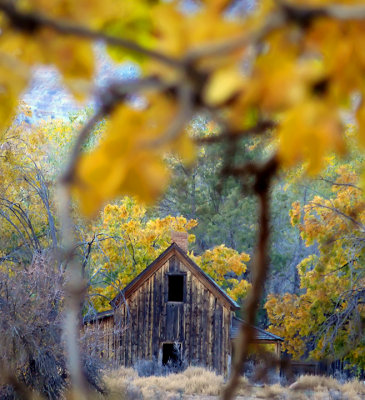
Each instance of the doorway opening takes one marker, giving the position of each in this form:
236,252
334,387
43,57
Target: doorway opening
171,354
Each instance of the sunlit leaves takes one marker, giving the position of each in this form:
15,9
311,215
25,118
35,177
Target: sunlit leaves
223,85
227,267
307,133
302,74
128,160
133,20
340,45
13,81
130,241
85,12
330,280
189,32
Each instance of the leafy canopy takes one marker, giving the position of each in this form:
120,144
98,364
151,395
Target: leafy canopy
327,318
127,241
296,64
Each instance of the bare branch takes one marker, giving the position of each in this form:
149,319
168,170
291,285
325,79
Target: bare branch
339,212
333,183
275,21
260,127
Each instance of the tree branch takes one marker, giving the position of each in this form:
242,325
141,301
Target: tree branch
31,21
339,212
263,175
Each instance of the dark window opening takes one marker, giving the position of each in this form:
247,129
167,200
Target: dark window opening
176,288
171,354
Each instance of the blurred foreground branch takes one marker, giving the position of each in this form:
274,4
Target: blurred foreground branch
263,175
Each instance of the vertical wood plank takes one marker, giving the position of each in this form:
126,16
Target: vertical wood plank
187,324
193,322
204,327
210,329
219,338
155,328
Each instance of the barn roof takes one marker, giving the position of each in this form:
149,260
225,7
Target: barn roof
260,334
174,249
100,315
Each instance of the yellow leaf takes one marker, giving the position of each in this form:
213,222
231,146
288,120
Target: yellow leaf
360,116
127,161
308,132
72,56
13,80
185,148
222,85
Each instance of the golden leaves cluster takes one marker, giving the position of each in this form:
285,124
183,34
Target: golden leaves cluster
223,261
131,241
301,72
336,225
128,160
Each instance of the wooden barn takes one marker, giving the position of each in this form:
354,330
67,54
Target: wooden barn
172,311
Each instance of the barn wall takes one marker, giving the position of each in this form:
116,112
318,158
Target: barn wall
201,323
98,336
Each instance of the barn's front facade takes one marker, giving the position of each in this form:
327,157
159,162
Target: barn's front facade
172,310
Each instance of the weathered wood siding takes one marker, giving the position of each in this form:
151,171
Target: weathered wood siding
99,337
201,323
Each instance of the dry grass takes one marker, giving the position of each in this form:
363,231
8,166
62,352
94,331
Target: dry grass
199,383
194,380
321,387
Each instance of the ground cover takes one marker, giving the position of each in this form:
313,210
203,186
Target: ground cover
197,383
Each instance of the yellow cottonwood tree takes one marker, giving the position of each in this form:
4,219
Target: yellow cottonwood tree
226,266
126,241
327,319
27,211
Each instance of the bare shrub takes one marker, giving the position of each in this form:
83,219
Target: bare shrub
31,306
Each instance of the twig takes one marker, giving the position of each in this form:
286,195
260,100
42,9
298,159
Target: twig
333,183
275,21
339,212
260,127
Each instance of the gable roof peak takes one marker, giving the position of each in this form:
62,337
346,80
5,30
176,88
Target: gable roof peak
175,249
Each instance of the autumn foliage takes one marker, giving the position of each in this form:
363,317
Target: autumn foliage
326,319
127,241
311,65
288,73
